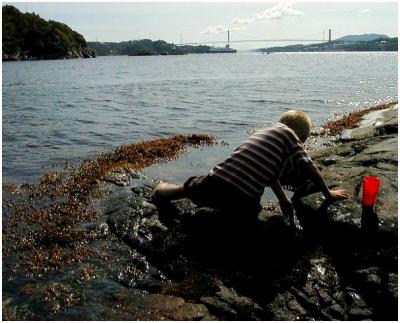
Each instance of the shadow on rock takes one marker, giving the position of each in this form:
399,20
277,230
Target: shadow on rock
366,258
243,268
255,257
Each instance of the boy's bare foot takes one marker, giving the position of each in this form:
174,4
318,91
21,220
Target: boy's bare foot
165,192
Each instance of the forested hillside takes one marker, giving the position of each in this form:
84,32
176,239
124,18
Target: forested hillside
144,47
27,36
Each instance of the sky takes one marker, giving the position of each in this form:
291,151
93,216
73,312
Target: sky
209,21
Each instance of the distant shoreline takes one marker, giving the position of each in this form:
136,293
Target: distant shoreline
200,54
355,43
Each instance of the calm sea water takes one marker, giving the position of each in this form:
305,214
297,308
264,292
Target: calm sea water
66,110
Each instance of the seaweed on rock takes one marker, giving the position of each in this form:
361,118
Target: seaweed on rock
41,221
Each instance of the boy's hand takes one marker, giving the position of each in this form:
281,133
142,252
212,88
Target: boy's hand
335,195
284,202
331,195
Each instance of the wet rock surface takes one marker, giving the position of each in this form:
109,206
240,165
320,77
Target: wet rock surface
346,163
366,252
183,262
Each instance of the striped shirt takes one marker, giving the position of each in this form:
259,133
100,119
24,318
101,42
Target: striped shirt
262,159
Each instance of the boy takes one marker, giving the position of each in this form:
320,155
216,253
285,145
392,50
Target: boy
272,156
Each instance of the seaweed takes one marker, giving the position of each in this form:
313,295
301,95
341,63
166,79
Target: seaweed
351,119
41,227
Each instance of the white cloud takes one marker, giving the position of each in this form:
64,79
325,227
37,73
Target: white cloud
213,30
241,21
365,12
279,11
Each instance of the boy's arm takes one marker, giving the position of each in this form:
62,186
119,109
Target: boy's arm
315,175
284,202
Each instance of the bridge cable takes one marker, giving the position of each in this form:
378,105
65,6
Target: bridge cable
247,35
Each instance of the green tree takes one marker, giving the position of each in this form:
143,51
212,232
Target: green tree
29,36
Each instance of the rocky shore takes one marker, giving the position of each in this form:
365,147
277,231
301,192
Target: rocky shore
80,52
83,52
182,262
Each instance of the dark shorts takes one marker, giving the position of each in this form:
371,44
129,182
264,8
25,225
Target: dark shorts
216,193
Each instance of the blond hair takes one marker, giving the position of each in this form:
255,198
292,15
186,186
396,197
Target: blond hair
299,122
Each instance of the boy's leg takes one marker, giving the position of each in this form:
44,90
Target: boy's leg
196,188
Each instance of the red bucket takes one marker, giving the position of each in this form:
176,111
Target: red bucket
371,186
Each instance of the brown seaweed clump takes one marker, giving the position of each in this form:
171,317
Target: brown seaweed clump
42,221
351,120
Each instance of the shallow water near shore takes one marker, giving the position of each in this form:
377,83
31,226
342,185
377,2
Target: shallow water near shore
66,110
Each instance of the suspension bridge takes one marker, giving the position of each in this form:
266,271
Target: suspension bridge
255,39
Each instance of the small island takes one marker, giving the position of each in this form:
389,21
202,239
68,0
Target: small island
26,36
145,47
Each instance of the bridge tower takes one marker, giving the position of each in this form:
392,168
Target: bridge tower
330,35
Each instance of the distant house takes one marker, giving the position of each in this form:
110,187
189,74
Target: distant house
337,45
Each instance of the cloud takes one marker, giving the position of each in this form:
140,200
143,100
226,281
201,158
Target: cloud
213,30
279,11
241,21
365,12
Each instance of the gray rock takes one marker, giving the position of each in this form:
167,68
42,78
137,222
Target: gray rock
175,308
222,309
121,176
393,285
285,307
101,229
357,300
311,303
296,308
337,311
376,156
375,123
370,276
360,313
340,297
324,296
245,307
